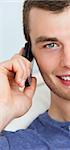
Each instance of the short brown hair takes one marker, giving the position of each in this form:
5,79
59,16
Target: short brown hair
56,6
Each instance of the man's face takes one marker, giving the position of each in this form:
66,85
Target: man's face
50,37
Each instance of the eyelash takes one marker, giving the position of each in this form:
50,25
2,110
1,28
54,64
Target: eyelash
55,46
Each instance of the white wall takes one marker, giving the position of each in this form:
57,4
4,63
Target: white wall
11,40
11,32
11,29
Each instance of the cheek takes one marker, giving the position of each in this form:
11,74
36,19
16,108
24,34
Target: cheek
47,63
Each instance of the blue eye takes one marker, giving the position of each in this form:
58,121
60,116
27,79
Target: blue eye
51,46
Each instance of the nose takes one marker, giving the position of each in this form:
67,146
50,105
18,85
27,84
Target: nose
65,58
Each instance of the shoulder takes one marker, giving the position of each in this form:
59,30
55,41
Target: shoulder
28,139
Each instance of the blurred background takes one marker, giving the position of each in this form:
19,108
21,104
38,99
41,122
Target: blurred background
11,41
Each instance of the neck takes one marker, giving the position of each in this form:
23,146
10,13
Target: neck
59,108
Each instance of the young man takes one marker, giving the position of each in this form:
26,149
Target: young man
47,29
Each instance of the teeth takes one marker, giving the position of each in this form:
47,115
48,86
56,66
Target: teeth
66,78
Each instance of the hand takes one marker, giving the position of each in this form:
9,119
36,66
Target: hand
13,102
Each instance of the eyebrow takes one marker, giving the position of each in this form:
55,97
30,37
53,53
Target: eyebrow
45,39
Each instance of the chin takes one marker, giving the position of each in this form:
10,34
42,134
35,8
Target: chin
61,94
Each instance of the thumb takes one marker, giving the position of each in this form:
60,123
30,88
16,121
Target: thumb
30,90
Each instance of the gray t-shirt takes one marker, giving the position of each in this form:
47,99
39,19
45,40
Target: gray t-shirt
43,134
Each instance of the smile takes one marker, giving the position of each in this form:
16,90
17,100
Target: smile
65,80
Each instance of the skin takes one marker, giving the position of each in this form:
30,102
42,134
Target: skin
50,38
13,101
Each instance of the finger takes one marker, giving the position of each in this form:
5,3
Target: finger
23,72
30,90
20,70
5,67
21,51
18,65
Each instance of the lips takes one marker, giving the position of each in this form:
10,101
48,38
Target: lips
65,79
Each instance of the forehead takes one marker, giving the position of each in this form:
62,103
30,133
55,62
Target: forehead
43,21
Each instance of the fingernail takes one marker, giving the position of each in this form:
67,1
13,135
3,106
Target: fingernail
21,88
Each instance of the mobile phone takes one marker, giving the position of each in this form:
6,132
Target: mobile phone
28,54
